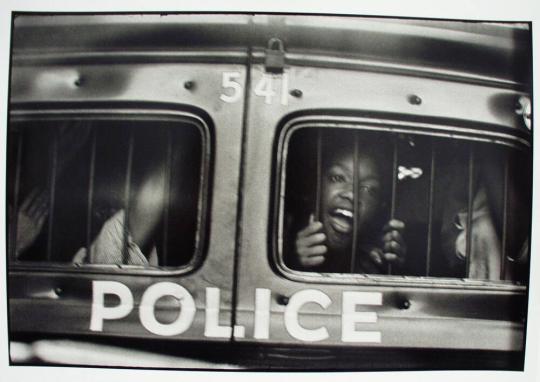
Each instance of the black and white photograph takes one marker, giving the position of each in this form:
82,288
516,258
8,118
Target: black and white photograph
268,192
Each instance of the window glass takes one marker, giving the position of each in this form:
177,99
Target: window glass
104,191
381,202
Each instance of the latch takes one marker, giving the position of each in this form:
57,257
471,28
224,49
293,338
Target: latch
275,56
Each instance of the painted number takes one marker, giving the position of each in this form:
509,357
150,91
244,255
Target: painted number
228,82
265,88
232,90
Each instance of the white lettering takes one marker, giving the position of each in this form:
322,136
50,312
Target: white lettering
264,89
350,317
228,82
147,313
100,312
262,314
291,315
212,327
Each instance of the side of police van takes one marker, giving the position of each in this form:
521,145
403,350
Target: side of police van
225,123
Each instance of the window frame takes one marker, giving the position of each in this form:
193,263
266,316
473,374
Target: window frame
145,112
486,134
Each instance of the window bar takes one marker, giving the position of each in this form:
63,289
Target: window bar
504,220
430,208
90,205
167,197
127,192
394,187
355,205
16,191
52,190
470,200
319,175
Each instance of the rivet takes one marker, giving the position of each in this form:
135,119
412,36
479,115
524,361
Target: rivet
296,93
415,100
58,291
188,85
404,304
78,82
282,300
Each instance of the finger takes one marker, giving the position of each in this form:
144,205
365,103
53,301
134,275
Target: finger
393,235
311,218
29,199
43,211
394,224
392,246
310,229
315,251
311,240
312,261
37,204
376,256
40,221
393,258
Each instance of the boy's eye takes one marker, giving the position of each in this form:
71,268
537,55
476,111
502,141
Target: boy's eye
370,190
337,178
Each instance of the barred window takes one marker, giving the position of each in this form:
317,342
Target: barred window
381,201
106,190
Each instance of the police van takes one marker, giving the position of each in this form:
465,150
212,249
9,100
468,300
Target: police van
268,191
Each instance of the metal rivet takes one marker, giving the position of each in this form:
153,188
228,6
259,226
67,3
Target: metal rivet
282,300
404,304
78,82
188,85
296,93
415,100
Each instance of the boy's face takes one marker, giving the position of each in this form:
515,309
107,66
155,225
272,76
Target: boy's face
337,201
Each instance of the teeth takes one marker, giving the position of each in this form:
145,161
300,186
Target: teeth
345,213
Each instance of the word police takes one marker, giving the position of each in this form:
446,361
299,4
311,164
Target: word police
349,314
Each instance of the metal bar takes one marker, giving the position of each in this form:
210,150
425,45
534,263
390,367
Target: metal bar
167,198
394,187
16,191
504,220
127,192
90,205
319,176
355,205
53,164
430,208
470,200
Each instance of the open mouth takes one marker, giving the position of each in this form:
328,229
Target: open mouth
341,220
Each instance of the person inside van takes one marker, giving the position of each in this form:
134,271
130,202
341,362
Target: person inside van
326,243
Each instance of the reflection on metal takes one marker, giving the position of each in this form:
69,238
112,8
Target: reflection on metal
470,212
16,191
53,169
127,194
168,174
356,205
319,175
394,185
504,219
91,179
430,208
